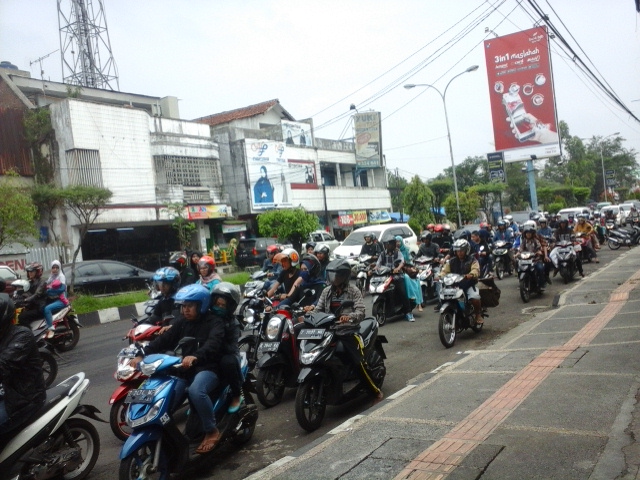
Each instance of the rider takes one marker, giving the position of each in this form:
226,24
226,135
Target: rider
270,266
511,224
505,234
482,251
310,276
338,291
35,299
208,275
530,243
447,238
586,229
167,280
225,298
437,236
202,361
289,259
20,370
563,232
465,264
310,247
427,247
545,230
392,258
179,260
371,247
322,253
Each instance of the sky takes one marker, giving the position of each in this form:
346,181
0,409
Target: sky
319,58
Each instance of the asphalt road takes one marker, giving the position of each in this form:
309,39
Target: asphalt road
413,349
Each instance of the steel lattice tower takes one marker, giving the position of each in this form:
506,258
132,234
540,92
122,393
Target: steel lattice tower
83,34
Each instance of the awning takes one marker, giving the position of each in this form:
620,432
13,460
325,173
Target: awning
399,217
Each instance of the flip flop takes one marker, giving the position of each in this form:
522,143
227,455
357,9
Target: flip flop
207,446
237,407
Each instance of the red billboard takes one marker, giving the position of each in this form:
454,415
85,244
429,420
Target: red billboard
521,95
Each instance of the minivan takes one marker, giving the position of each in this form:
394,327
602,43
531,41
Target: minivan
253,251
574,212
353,243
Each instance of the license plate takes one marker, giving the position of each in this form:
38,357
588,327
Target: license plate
140,396
525,263
577,248
449,291
311,334
268,347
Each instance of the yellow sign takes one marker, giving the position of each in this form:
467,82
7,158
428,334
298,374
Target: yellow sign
359,217
202,212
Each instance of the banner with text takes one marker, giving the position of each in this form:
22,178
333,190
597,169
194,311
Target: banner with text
368,139
521,95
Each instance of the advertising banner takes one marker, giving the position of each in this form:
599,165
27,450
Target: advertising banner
296,134
379,216
368,139
345,219
521,95
201,212
359,217
302,174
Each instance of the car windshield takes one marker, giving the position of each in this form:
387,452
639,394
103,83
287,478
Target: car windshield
246,244
355,238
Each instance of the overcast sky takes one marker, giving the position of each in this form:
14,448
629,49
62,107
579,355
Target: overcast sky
320,57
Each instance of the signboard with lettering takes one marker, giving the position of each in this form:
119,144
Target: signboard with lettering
368,139
496,167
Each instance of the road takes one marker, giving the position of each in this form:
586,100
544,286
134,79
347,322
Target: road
413,349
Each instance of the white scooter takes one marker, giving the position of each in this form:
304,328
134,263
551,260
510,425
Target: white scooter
52,442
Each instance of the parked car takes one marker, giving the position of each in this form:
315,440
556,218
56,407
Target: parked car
253,251
7,275
107,276
320,236
630,213
353,243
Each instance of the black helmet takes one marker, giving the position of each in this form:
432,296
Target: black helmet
465,235
322,248
312,264
338,272
7,311
230,292
310,245
426,235
388,240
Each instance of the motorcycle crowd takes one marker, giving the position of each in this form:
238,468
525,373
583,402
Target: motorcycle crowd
202,349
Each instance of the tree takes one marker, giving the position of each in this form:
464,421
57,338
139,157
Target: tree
440,188
472,171
489,194
181,224
86,203
292,224
18,214
48,199
39,134
469,204
416,199
397,185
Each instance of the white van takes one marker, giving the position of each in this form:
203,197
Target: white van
353,243
573,212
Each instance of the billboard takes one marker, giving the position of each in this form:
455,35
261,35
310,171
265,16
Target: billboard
521,95
272,176
296,134
368,139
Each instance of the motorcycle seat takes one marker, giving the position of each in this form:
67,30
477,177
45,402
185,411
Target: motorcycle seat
366,327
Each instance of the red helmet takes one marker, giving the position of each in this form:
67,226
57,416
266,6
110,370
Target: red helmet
207,261
273,249
484,225
438,228
430,227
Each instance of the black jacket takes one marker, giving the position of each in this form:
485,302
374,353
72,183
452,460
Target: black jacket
36,296
231,336
21,370
209,332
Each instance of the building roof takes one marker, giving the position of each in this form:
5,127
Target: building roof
244,112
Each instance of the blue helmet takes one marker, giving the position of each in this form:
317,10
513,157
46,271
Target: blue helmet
168,275
194,293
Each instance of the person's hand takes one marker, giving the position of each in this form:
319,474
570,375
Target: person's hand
543,133
134,362
164,329
188,361
344,319
308,308
282,296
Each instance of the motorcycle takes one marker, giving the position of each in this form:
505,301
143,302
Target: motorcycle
362,276
386,301
617,237
66,323
327,376
52,442
528,276
484,254
252,289
457,313
501,259
428,268
157,446
566,256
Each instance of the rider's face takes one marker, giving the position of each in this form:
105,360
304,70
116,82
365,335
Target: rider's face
189,310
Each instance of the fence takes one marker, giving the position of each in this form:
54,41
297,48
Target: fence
46,255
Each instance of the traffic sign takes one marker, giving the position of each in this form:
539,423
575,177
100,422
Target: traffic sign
496,166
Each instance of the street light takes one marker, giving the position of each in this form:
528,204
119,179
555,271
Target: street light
472,68
604,180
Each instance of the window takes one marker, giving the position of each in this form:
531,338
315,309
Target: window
187,171
91,270
118,269
316,237
84,167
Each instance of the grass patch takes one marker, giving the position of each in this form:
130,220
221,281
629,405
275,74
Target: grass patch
88,303
239,278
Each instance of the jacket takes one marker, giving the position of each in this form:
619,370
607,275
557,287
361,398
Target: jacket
21,370
36,296
356,314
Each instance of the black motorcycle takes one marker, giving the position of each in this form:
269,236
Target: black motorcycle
528,276
501,259
328,376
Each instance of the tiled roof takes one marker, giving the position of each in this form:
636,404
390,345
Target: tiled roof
245,112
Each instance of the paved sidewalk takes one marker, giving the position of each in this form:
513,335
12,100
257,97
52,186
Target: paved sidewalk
554,398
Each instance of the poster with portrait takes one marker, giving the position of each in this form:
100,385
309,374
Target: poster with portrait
267,168
303,175
296,134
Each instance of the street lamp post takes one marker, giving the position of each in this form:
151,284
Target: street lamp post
443,95
604,180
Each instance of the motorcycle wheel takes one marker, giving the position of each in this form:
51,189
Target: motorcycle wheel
499,270
249,345
270,385
118,420
85,435
49,368
447,329
566,275
139,464
310,405
525,290
70,339
378,312
245,435
360,284
613,245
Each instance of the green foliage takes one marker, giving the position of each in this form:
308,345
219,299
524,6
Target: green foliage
239,278
181,224
555,207
292,224
469,204
489,194
581,194
38,132
18,214
470,172
440,188
397,185
415,226
416,198
87,303
48,199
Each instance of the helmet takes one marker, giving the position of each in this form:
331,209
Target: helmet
292,255
563,220
502,223
322,248
373,236
424,236
446,227
581,217
273,249
542,220
508,218
312,264
483,225
438,228
370,235
230,292
178,260
7,311
35,267
207,261
465,235
194,293
462,245
338,272
529,226
311,245
431,226
388,240
168,275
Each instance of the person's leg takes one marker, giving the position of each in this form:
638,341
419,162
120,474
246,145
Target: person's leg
4,416
579,266
203,383
28,316
540,273
50,309
354,347
473,295
230,371
402,292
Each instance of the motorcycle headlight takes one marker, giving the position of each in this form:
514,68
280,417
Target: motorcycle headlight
124,372
150,415
307,358
149,369
449,280
249,315
273,328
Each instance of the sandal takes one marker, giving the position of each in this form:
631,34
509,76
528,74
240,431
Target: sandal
234,408
480,321
208,443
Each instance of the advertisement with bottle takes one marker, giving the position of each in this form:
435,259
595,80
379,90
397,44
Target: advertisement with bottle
521,95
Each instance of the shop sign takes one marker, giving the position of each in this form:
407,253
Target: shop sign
379,216
203,212
359,217
234,227
345,219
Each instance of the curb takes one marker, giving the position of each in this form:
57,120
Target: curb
109,315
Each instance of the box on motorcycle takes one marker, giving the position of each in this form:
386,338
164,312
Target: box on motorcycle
489,292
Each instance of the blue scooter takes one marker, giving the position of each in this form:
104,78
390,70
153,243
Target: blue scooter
157,446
